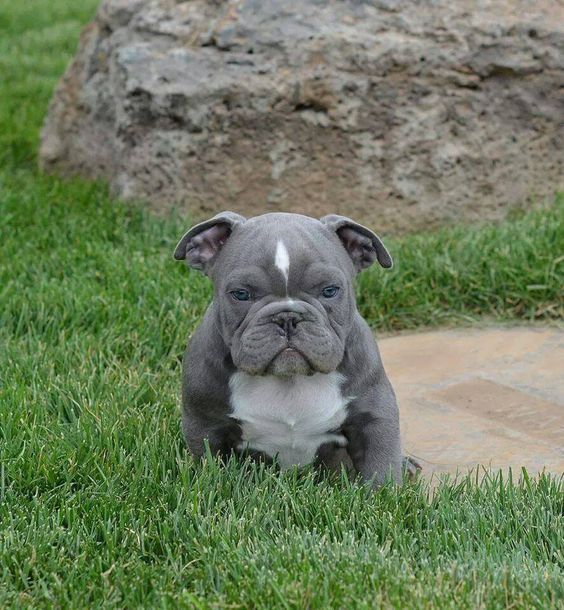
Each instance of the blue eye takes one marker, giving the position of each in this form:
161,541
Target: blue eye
330,291
241,295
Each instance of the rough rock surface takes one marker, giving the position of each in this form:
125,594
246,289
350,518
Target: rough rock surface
402,113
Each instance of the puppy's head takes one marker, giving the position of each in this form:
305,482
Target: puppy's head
283,286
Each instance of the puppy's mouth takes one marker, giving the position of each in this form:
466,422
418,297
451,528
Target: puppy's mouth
290,362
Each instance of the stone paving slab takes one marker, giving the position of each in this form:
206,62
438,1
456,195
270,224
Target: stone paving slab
492,397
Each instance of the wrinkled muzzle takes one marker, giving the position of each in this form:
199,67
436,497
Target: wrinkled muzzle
287,338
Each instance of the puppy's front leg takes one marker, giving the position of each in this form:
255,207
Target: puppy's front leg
221,438
374,447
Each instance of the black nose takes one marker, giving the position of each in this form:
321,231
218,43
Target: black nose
287,322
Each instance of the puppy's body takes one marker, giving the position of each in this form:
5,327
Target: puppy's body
283,366
289,417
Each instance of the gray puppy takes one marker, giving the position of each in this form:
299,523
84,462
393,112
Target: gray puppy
283,366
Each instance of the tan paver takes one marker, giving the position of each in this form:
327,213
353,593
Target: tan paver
492,397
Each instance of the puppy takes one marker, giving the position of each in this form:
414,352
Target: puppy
283,366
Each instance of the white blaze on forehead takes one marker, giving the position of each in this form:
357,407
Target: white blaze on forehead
282,260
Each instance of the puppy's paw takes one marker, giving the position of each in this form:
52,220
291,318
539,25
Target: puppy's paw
411,468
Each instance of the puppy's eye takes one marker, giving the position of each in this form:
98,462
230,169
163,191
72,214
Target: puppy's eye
241,295
330,291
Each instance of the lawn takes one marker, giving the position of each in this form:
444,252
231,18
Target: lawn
99,503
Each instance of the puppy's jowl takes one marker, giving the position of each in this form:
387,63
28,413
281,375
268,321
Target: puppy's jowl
283,366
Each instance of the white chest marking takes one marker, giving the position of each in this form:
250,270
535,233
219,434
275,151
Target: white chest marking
282,259
288,418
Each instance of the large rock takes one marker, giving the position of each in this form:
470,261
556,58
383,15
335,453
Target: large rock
401,113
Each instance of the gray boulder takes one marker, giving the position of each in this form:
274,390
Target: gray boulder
401,113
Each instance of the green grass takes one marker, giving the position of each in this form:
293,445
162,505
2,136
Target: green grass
100,505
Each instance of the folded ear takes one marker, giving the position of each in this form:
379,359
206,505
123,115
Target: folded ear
362,244
201,244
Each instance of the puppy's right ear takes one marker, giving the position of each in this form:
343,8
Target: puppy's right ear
201,244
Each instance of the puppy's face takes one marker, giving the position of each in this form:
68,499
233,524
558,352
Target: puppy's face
283,286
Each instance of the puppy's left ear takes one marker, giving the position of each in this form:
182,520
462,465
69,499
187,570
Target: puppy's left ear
362,244
200,246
